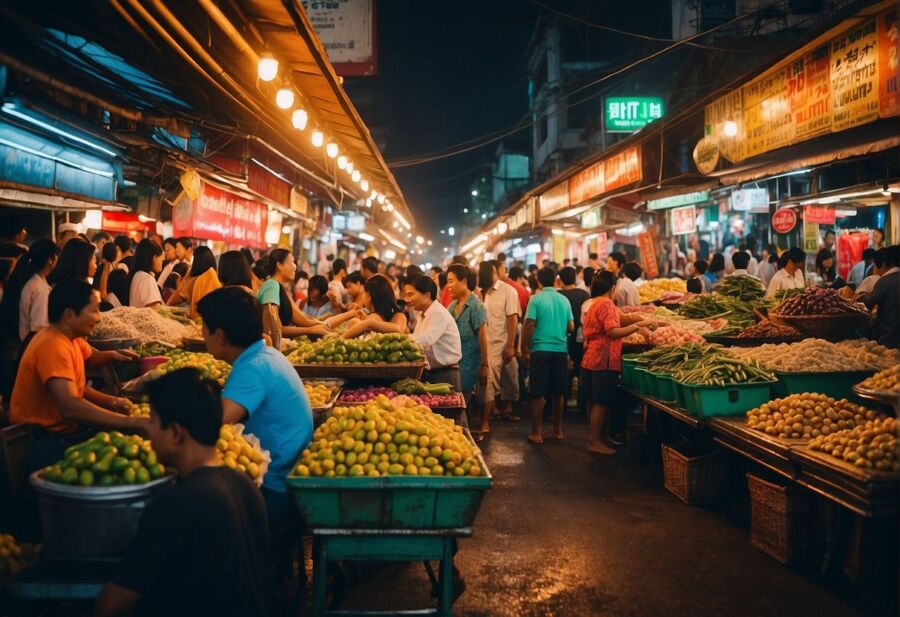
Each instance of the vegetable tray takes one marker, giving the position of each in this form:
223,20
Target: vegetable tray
383,370
390,502
835,385
731,400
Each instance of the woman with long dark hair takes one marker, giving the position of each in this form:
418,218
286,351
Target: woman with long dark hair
25,297
143,290
281,317
385,315
716,270
828,276
234,271
76,261
201,280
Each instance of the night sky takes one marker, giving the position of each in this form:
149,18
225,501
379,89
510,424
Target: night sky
455,70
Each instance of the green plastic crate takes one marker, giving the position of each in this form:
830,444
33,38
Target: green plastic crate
835,385
733,400
680,394
390,502
629,368
665,387
645,382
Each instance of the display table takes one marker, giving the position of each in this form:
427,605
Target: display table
765,450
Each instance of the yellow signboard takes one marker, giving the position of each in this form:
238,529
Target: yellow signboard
845,82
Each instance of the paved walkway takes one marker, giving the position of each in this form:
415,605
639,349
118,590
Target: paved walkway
566,533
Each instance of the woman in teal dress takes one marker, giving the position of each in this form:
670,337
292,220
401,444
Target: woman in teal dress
471,319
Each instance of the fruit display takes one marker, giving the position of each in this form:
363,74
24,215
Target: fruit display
320,392
716,369
388,437
363,395
768,329
208,366
143,324
673,335
814,355
140,408
107,459
820,301
651,291
883,381
242,452
15,556
741,286
872,445
808,415
373,348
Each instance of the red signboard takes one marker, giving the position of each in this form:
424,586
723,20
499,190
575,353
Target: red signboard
268,184
221,216
850,248
684,220
784,220
125,223
623,168
587,183
822,215
648,254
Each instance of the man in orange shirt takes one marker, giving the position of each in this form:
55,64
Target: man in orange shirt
51,392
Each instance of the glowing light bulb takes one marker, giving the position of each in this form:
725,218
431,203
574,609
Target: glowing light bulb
342,162
299,119
365,185
731,128
381,199
267,69
350,167
318,139
356,175
284,98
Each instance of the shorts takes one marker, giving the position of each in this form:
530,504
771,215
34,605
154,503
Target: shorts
503,381
600,387
548,373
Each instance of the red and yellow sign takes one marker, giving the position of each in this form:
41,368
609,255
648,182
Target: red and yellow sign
784,220
554,200
847,81
221,216
621,169
820,215
648,254
587,183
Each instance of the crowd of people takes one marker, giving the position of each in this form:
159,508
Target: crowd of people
497,331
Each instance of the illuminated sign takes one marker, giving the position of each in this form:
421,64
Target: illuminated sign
626,114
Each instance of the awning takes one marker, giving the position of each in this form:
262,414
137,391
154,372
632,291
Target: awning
28,197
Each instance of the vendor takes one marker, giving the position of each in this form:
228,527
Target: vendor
741,261
384,314
263,389
51,393
886,296
790,276
281,316
201,280
202,545
143,290
355,286
317,304
627,292
436,332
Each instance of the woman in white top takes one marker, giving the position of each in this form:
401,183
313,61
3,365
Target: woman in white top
143,290
24,306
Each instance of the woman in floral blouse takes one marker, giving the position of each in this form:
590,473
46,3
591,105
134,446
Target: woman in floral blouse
604,328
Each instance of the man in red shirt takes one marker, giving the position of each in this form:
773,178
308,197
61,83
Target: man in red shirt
512,278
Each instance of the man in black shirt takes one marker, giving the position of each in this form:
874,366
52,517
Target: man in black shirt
202,545
576,297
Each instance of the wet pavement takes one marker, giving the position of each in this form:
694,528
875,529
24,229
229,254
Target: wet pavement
563,532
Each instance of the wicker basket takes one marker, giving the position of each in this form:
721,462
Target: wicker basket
828,327
779,517
693,479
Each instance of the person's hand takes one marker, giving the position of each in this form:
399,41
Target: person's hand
120,405
509,352
319,330
483,374
123,355
140,425
645,333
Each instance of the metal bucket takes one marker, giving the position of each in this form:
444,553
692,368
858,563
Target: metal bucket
91,523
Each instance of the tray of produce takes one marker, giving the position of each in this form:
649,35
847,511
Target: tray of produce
242,452
432,395
429,473
741,286
109,465
871,446
322,395
737,312
110,344
756,334
882,387
719,385
814,355
142,324
377,356
798,418
822,313
653,290
153,349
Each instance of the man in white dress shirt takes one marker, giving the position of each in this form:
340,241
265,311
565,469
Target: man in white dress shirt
435,331
791,275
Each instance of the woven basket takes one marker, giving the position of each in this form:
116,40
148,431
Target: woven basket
828,327
693,479
779,517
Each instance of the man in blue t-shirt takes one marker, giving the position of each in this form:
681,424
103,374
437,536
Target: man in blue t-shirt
263,390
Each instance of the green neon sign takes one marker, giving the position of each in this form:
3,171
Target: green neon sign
626,114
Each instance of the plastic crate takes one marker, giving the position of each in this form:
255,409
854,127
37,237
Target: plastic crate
390,502
643,382
835,385
665,388
629,368
733,400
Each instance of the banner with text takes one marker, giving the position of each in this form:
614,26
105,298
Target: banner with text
221,216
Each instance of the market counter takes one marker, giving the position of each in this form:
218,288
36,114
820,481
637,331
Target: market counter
770,452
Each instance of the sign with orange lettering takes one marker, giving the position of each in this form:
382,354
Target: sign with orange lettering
648,254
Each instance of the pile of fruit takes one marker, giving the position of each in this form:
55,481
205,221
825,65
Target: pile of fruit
140,409
651,291
768,329
208,366
14,556
242,452
385,438
374,348
107,459
363,395
319,392
883,381
815,355
872,445
673,335
742,287
807,416
820,301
